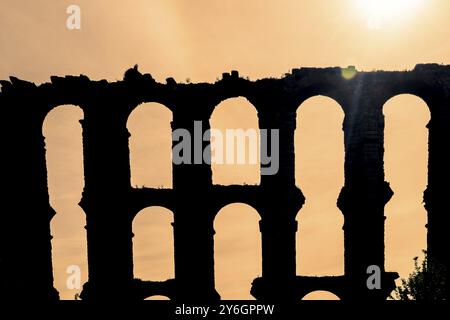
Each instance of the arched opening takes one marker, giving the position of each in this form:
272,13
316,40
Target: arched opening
64,157
319,173
235,143
405,163
150,146
158,298
237,247
321,295
153,247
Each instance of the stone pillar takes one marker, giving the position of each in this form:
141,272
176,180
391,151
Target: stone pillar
106,200
364,195
25,249
283,120
436,194
278,238
280,201
193,217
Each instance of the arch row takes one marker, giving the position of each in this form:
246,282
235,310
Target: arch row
110,203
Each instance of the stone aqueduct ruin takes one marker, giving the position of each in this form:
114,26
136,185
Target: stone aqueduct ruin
110,203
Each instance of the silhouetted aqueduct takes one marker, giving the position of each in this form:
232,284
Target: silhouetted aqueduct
110,203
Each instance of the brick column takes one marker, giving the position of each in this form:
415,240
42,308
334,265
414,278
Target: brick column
280,201
193,217
106,200
364,195
25,240
436,194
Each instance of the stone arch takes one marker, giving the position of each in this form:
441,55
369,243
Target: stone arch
406,119
321,295
324,90
153,245
413,87
64,149
243,116
237,254
320,156
150,153
334,98
158,298
227,195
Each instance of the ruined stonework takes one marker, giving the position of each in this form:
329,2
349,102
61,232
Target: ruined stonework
111,203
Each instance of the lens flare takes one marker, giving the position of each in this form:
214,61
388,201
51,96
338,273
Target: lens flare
379,11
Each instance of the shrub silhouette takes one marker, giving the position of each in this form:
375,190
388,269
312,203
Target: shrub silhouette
426,283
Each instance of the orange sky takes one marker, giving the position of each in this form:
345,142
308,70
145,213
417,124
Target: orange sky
199,40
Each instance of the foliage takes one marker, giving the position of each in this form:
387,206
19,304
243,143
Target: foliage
426,283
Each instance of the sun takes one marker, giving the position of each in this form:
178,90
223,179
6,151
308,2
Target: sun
378,12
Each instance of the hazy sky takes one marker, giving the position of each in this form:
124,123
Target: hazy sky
200,40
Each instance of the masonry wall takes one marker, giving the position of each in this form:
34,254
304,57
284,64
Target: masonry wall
110,203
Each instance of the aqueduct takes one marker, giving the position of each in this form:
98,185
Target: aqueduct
110,203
